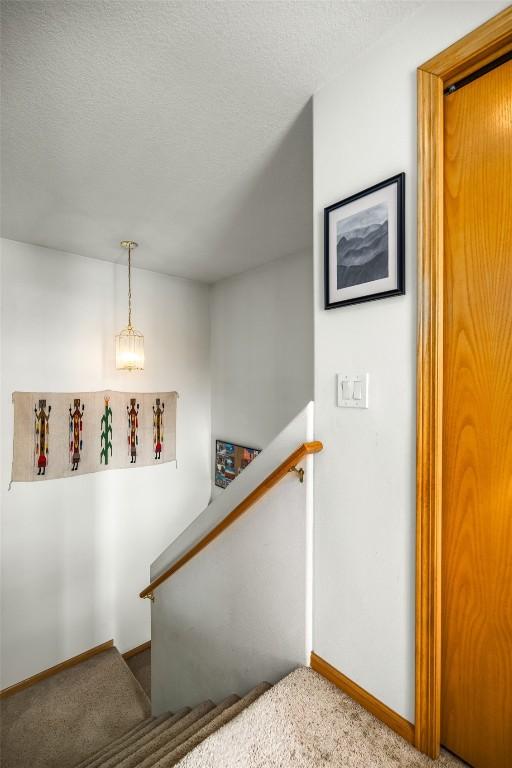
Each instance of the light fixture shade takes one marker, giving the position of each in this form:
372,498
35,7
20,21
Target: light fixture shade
130,350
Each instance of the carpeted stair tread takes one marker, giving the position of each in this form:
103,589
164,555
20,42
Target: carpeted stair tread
154,758
169,722
92,703
154,725
140,666
89,761
144,747
222,719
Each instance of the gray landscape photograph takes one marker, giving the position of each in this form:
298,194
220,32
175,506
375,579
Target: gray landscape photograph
362,247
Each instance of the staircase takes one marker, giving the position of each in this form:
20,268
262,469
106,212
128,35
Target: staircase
161,742
96,714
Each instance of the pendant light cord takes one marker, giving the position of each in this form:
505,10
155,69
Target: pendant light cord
129,286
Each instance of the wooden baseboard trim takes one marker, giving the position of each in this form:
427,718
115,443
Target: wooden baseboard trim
54,670
392,719
139,649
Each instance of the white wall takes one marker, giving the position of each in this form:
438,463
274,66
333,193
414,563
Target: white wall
365,131
240,611
76,552
261,350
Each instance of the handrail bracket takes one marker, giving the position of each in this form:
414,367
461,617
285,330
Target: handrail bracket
299,473
150,596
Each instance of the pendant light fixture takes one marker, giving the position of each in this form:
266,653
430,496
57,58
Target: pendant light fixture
130,342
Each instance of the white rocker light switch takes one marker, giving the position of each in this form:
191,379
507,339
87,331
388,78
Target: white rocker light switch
352,390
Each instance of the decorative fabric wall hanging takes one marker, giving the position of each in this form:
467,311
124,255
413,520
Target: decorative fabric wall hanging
64,435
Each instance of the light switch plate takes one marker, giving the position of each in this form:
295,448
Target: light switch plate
353,390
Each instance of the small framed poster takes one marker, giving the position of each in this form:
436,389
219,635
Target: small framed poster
364,239
230,460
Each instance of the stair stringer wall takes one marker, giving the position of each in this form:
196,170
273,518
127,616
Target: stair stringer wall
240,611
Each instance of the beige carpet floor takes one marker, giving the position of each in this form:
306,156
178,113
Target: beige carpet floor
306,722
62,720
140,665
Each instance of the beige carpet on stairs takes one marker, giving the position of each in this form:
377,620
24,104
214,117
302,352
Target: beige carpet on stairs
96,715
306,722
140,665
224,716
152,729
163,741
153,757
143,748
62,720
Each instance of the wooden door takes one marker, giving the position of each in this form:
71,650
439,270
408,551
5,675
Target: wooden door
476,692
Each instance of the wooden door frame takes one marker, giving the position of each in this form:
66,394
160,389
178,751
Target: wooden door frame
485,44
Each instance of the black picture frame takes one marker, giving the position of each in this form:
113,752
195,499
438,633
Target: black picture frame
399,256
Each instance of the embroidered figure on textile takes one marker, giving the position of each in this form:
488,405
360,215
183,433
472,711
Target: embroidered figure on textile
106,432
133,429
75,433
158,428
42,435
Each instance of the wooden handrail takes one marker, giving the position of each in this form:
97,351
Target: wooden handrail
271,480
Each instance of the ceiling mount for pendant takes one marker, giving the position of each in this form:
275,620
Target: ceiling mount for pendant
130,342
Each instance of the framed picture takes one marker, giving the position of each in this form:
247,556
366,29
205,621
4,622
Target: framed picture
230,460
364,245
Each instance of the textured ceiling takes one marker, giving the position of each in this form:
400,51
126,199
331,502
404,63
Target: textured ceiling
183,125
